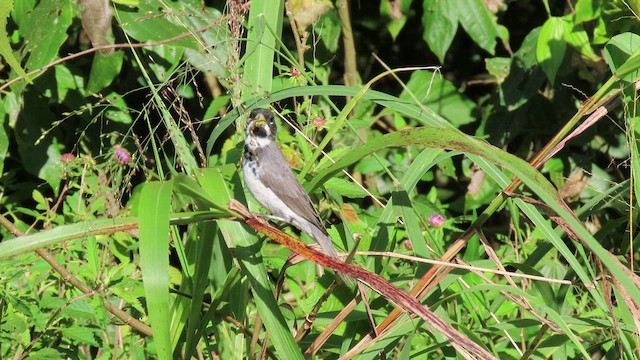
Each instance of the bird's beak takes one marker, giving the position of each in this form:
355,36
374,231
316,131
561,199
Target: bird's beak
257,122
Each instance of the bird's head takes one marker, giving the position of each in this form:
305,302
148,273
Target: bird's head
261,124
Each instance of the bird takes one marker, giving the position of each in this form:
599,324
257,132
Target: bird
270,179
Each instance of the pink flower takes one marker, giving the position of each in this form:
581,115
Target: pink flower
67,158
121,155
319,121
436,220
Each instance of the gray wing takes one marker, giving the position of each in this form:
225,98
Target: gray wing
281,180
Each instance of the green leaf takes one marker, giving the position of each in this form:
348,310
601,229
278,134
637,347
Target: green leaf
154,261
46,354
329,29
499,67
586,10
440,21
441,96
478,22
577,38
619,50
212,55
153,21
81,335
118,110
164,60
81,309
551,46
103,70
265,25
66,80
5,48
45,30
345,188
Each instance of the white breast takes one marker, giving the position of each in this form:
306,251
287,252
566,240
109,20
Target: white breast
264,195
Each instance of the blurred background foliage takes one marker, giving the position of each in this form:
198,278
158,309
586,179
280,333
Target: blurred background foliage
98,97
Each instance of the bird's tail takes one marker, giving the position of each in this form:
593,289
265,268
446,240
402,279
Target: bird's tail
321,237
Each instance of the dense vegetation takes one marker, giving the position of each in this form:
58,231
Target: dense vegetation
479,154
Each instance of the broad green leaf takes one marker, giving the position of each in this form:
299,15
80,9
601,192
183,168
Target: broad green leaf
620,49
104,70
154,261
525,76
329,30
213,53
45,30
441,96
67,80
551,46
5,48
586,10
478,22
117,110
440,21
38,144
499,67
577,38
153,21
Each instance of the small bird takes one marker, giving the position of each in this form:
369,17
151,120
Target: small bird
272,183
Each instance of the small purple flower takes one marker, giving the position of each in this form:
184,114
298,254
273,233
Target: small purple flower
121,155
67,158
436,220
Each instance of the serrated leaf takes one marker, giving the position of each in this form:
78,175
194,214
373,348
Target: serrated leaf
81,309
45,354
81,335
551,46
440,21
345,188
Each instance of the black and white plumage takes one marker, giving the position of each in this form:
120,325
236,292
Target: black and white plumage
272,183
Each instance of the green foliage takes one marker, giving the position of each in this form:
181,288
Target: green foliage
119,164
